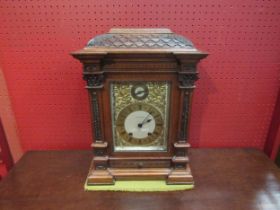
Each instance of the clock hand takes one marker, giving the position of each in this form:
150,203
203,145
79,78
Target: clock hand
140,125
149,120
144,121
139,92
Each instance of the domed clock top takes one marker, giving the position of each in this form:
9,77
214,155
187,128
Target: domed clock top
147,40
141,38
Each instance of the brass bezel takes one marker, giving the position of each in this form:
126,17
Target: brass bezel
149,140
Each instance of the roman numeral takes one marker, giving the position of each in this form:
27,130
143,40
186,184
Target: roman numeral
123,132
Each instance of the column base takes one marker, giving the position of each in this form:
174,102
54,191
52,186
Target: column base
180,176
100,177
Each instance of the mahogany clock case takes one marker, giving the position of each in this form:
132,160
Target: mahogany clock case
140,55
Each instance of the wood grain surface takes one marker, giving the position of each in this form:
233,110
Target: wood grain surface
224,179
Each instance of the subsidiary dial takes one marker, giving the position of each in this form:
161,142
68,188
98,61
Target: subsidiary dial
139,91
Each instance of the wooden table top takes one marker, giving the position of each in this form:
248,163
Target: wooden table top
225,179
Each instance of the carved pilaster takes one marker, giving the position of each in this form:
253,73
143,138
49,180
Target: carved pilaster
95,80
94,83
187,76
186,84
184,117
96,116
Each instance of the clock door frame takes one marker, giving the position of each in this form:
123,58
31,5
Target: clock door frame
173,112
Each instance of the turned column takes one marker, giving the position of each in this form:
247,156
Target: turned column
187,75
94,76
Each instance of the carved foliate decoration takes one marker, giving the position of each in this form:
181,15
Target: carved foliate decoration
94,80
187,80
140,41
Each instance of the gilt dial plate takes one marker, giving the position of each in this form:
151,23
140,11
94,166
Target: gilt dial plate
140,112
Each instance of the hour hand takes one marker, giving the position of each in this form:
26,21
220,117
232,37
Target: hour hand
141,124
139,92
149,120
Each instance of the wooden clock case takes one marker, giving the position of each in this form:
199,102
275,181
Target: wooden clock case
140,55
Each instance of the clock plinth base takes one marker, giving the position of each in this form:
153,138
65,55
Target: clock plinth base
180,176
108,176
100,177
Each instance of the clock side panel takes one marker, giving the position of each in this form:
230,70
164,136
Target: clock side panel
172,110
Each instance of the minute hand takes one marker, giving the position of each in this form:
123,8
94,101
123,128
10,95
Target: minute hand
144,121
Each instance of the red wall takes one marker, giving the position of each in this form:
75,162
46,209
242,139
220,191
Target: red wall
235,96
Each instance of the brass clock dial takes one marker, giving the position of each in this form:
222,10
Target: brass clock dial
139,124
140,115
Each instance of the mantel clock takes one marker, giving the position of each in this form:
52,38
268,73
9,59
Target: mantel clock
140,84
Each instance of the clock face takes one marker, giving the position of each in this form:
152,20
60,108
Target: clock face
139,124
140,115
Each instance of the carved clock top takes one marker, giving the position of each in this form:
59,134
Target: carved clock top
141,38
138,40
